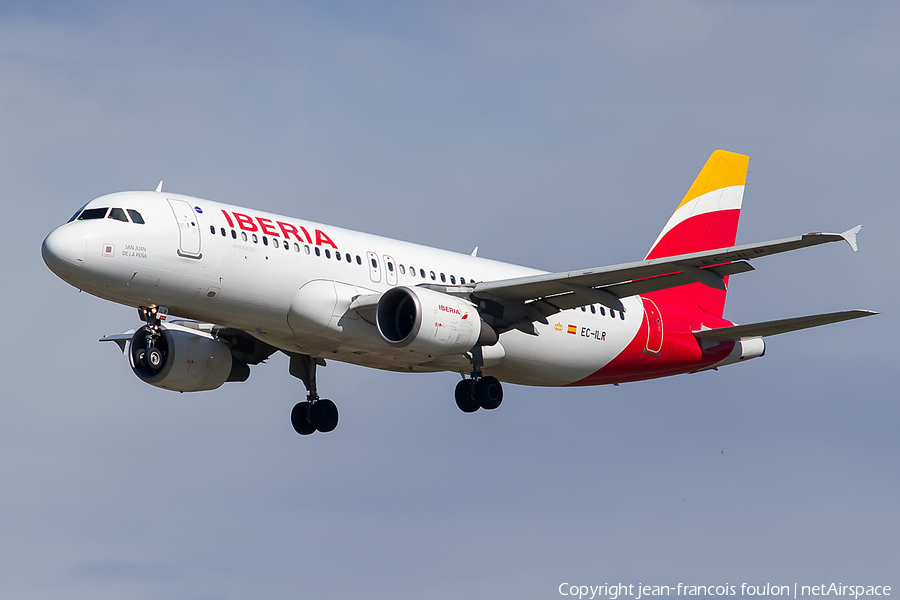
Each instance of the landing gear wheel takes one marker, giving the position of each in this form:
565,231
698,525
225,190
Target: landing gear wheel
465,396
300,419
154,358
324,414
488,393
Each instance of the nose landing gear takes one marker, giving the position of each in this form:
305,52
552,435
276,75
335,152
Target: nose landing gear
315,414
478,391
152,356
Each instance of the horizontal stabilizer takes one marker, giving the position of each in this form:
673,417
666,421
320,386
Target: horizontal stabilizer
766,328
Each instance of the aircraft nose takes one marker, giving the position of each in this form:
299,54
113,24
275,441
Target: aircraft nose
63,250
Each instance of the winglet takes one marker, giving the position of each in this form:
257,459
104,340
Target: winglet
850,236
159,187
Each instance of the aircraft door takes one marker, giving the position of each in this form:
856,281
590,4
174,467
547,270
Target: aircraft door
390,270
188,228
654,327
374,267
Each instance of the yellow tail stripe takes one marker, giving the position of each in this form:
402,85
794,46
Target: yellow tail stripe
723,169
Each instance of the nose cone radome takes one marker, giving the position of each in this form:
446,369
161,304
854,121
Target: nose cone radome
63,250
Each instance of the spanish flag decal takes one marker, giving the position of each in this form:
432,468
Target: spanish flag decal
573,329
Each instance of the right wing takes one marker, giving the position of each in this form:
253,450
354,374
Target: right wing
520,301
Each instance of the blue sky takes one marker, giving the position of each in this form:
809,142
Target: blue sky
554,135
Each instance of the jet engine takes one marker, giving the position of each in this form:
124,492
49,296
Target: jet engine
184,360
431,322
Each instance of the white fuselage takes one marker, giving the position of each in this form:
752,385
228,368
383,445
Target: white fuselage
279,279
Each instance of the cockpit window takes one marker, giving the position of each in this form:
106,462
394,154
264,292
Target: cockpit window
135,216
93,213
118,214
77,212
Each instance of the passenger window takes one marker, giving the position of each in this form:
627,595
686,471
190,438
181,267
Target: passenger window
390,266
135,216
244,236
275,242
612,313
296,247
287,246
306,249
402,270
602,311
462,280
223,232
453,279
233,234
422,273
621,315
347,257
583,309
443,278
374,264
212,228
265,241
255,239
337,255
358,260
93,213
593,309
318,252
118,214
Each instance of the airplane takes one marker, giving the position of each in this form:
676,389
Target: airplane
245,284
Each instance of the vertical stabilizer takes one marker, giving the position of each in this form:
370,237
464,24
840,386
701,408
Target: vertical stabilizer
706,219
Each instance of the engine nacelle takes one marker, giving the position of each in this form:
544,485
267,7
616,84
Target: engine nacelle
430,322
744,350
186,361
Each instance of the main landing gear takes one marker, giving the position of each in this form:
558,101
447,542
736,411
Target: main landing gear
478,391
314,414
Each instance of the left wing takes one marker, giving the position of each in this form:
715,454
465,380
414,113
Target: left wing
517,303
243,346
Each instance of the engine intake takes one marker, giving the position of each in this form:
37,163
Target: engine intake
427,321
183,360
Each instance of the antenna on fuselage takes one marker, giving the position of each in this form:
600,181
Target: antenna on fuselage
475,251
159,187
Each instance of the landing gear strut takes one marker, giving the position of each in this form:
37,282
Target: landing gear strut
478,391
152,356
314,414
